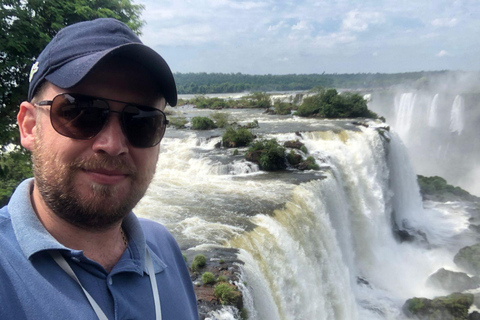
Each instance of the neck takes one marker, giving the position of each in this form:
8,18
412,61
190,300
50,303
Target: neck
104,246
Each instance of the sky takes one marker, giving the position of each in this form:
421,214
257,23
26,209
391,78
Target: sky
304,37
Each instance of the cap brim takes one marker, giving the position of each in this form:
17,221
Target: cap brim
74,71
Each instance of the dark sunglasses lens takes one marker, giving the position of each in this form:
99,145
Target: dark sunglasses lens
144,126
77,116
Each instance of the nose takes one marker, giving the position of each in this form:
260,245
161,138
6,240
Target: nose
111,138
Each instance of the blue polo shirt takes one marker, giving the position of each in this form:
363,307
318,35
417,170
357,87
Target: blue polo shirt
33,286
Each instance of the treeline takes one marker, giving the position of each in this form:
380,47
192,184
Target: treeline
201,83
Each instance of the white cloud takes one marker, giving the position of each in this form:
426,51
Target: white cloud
302,25
358,21
273,28
445,22
185,35
443,53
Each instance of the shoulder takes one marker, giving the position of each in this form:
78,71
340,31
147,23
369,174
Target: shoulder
158,238
154,230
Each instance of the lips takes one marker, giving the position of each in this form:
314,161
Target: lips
104,176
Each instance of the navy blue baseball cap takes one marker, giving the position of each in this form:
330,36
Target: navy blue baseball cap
78,48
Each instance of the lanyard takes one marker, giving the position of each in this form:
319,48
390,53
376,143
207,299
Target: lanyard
60,260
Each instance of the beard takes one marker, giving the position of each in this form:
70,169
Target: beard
103,205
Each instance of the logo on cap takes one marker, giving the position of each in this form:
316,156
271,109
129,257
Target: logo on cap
33,71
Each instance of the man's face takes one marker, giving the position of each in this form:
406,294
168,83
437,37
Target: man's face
96,183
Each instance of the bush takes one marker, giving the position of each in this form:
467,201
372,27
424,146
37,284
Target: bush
226,292
294,158
222,279
330,104
177,122
202,123
198,262
311,164
268,154
255,100
15,166
208,278
282,108
236,138
253,124
221,119
439,188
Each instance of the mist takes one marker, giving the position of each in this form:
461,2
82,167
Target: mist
437,120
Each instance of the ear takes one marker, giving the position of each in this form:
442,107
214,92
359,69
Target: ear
26,119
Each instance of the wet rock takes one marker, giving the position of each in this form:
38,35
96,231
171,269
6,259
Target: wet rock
453,281
468,258
224,265
294,144
451,307
474,316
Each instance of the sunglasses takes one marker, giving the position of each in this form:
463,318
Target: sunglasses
82,117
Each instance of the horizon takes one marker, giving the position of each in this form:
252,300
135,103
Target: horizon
313,37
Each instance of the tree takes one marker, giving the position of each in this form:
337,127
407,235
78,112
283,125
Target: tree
27,26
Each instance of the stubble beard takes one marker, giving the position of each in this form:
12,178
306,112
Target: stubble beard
102,207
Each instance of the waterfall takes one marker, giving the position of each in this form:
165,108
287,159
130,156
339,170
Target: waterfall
457,115
432,112
330,253
404,112
314,244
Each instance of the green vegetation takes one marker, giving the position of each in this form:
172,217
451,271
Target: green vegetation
222,279
227,293
201,83
202,102
438,188
294,158
252,125
198,262
184,257
236,138
15,166
257,100
453,306
27,26
253,100
468,258
269,155
202,123
311,164
222,119
327,103
208,278
282,108
178,122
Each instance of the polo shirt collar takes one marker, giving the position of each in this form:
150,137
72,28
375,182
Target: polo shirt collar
33,237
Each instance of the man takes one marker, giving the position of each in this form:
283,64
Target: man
70,246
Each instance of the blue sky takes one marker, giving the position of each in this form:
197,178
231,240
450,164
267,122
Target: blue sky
345,36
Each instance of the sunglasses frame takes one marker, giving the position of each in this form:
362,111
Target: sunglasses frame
123,125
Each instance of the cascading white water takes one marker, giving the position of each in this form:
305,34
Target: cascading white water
331,253
321,249
433,120
404,112
457,120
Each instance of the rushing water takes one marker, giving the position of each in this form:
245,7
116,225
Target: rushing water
440,132
315,245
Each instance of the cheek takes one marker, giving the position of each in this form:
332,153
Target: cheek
146,159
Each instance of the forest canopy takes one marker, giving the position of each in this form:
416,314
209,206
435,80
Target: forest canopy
201,83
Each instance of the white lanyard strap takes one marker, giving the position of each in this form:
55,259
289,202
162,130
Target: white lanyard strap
153,282
60,260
